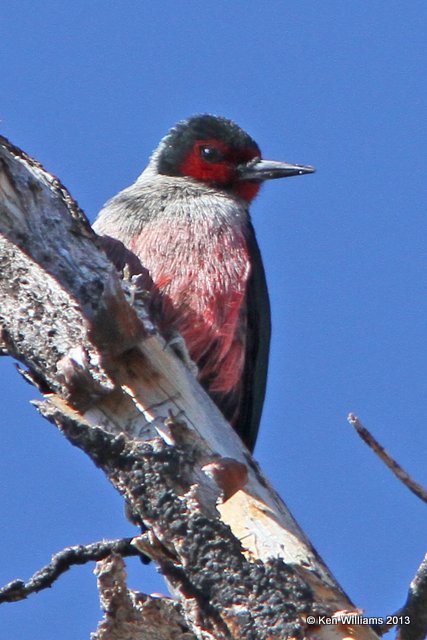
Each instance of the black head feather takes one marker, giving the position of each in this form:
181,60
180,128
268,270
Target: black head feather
179,141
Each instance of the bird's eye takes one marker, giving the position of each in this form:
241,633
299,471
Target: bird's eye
211,154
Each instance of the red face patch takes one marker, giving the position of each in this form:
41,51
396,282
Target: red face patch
213,162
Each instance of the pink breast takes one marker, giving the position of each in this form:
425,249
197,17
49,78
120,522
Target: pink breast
202,271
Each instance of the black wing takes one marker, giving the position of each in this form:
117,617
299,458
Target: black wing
243,405
257,348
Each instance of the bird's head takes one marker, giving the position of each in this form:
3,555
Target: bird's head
217,152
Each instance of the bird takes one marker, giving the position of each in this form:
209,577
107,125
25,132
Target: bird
187,220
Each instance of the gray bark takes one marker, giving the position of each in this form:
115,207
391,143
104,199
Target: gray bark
117,391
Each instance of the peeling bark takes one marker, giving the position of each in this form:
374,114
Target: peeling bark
233,554
128,614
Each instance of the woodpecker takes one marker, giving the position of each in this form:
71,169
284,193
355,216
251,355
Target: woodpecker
187,220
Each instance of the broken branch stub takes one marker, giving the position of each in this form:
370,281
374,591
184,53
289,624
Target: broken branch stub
222,537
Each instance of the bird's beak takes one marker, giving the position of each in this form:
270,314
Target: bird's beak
258,170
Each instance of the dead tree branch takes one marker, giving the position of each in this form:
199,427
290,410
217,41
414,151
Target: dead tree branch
386,458
231,551
414,612
128,614
64,560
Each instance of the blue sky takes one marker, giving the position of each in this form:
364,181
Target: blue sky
89,88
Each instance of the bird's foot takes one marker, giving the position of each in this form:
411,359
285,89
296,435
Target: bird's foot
179,346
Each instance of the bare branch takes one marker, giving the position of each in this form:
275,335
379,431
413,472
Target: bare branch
64,560
120,394
414,612
411,619
206,558
383,455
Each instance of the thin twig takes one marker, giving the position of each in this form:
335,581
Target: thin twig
62,561
394,467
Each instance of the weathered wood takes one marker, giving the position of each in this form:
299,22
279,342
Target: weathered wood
223,538
128,614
